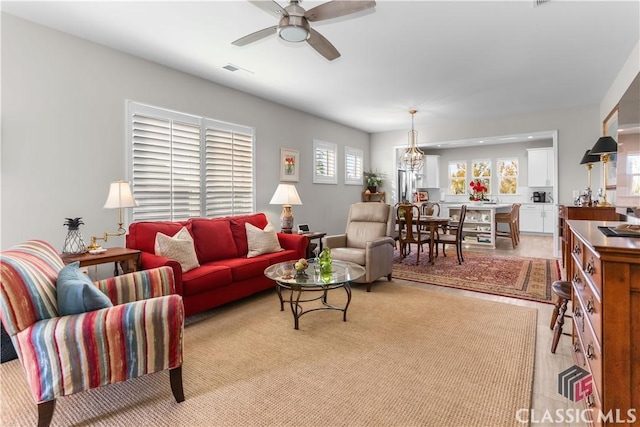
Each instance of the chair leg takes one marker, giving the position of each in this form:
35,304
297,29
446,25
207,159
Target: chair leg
389,277
175,376
369,287
513,235
45,412
559,322
554,315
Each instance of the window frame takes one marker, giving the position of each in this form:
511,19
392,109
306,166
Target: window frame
501,177
332,162
358,154
486,180
450,178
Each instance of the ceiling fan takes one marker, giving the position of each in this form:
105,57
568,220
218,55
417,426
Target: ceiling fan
294,23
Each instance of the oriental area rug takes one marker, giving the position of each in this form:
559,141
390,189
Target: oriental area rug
404,357
487,272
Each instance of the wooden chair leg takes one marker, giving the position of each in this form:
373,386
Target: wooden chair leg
389,277
557,331
45,412
554,315
513,235
175,376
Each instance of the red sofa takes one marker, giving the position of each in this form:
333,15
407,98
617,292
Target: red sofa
225,273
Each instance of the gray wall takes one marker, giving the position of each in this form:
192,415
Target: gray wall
63,134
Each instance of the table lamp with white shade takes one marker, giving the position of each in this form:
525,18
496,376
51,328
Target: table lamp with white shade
286,195
119,197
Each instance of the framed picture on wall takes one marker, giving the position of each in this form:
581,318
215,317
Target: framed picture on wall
289,165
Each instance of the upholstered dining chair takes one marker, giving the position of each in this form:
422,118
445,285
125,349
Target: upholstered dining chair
410,231
454,236
512,219
139,331
367,241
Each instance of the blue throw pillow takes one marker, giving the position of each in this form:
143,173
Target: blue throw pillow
77,293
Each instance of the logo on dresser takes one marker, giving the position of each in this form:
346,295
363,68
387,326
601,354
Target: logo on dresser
575,383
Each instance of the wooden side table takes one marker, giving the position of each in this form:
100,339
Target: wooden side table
129,259
312,236
374,197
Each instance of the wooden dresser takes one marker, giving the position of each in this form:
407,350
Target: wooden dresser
576,212
605,276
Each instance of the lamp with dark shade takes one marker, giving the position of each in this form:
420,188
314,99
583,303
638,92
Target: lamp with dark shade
603,147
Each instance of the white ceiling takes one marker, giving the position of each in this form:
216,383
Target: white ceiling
451,60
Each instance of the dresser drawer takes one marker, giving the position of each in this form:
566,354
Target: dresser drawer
587,307
588,355
592,268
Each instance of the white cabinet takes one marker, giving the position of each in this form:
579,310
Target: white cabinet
537,218
541,167
431,172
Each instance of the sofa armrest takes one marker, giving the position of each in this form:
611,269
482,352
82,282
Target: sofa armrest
149,261
335,241
139,285
296,242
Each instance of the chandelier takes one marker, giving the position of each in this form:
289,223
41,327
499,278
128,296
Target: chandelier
413,158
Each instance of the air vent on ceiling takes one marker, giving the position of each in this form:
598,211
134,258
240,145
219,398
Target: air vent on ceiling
233,68
537,3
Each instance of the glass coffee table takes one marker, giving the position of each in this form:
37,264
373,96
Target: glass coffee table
285,277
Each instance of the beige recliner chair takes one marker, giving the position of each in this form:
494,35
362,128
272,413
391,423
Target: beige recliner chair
367,241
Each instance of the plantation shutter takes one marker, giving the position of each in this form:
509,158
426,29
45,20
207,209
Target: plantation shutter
166,169
228,172
184,166
353,166
325,159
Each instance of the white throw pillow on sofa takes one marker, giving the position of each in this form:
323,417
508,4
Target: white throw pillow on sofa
262,241
178,247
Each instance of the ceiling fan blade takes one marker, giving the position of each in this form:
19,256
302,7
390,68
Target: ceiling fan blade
336,8
322,45
254,37
270,7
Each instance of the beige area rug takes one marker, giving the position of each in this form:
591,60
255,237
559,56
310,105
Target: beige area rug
405,357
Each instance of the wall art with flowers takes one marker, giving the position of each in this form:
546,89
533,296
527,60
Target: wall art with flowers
289,165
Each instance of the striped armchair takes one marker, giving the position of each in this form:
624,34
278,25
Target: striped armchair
63,355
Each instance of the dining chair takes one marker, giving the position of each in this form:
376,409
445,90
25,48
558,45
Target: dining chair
513,219
410,231
449,238
430,209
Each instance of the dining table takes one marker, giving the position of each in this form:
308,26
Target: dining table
430,222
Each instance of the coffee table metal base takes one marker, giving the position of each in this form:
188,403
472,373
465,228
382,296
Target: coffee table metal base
295,299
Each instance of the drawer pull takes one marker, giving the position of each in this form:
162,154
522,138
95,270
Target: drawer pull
576,312
590,352
576,347
591,306
576,279
576,249
590,401
590,268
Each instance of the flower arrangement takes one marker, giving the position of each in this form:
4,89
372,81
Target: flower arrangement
374,179
478,190
289,165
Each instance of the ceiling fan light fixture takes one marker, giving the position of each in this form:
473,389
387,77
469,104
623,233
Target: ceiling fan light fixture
293,29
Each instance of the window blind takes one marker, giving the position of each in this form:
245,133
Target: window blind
184,166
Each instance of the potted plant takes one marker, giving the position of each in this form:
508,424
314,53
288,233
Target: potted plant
374,180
